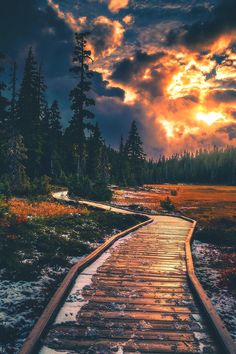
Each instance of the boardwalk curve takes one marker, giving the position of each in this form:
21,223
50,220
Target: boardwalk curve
136,298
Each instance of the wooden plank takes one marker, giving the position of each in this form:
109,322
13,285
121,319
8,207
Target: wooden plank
146,325
135,294
119,333
112,346
146,301
32,342
137,315
140,299
217,324
94,305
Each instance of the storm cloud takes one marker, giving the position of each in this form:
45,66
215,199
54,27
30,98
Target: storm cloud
222,20
125,70
168,64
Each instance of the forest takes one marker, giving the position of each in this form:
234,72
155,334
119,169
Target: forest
36,151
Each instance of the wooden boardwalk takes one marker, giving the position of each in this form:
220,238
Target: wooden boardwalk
135,299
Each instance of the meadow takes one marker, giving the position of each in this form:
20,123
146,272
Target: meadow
214,248
39,242
200,202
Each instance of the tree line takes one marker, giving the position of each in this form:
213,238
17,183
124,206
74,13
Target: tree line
36,150
34,147
214,166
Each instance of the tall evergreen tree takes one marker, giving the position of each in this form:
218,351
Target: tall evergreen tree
45,137
4,104
80,103
136,155
123,163
30,111
57,152
13,103
15,149
94,150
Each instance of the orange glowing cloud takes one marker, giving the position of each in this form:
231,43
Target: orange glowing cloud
128,20
192,107
68,17
106,36
186,97
117,5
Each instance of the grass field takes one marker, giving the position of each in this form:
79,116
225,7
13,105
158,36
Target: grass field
39,242
199,202
214,248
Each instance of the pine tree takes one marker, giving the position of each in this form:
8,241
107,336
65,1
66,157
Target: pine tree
123,163
136,155
94,150
30,113
4,104
80,102
13,103
46,146
15,149
56,141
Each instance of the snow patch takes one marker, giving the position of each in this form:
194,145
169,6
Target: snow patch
75,301
209,261
46,350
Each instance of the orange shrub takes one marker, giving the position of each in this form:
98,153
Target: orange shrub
22,209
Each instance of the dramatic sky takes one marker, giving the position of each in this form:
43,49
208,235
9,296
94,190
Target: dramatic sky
169,64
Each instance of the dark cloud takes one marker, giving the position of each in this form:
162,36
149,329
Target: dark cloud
23,24
101,88
211,74
33,23
150,12
115,118
106,35
152,86
226,84
192,98
221,20
219,58
48,29
233,114
223,96
230,130
125,70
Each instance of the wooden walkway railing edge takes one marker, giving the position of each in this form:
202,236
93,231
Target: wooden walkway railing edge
222,334
32,343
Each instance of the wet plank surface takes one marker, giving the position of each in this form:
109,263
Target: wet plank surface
134,299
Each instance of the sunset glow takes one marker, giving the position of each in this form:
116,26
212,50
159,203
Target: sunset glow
210,118
169,66
118,153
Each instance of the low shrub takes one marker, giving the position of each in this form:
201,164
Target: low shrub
25,187
23,208
85,188
217,233
167,204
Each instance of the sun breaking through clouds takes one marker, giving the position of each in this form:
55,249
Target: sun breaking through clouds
169,65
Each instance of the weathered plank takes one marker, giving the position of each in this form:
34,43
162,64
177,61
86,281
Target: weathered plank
139,299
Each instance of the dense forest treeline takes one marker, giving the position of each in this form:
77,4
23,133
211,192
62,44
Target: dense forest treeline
215,166
36,150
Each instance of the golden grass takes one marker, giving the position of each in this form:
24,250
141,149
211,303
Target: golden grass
22,209
197,201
